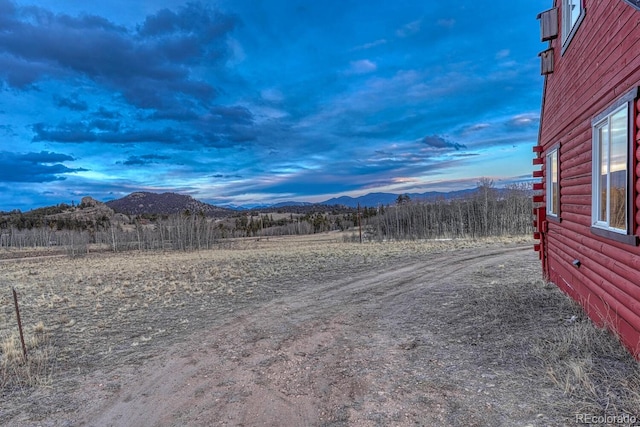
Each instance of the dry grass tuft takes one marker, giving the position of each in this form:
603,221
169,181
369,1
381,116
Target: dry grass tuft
591,366
18,374
587,363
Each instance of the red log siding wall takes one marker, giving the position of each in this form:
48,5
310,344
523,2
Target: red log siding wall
636,166
599,66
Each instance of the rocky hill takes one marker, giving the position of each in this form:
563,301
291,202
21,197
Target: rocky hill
141,203
89,214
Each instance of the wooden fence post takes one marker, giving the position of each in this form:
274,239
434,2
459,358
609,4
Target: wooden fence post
15,301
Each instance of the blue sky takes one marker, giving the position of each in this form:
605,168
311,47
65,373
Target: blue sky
264,101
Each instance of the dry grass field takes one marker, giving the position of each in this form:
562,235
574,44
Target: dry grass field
309,330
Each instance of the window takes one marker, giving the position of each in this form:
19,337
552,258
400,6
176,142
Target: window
553,183
634,3
613,153
610,170
572,15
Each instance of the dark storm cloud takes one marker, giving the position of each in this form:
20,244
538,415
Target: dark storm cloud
438,142
7,130
44,166
211,132
242,134
72,103
236,114
149,66
21,74
105,125
143,160
107,114
193,20
42,157
223,176
176,114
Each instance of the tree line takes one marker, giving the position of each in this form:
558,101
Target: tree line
486,212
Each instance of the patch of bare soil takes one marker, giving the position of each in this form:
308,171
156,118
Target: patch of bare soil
289,333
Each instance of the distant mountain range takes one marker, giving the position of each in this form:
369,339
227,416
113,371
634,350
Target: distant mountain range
258,206
377,199
368,200
170,203
141,203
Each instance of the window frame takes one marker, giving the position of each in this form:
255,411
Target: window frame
549,193
566,18
600,228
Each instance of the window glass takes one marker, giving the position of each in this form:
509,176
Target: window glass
553,184
604,171
618,170
611,181
571,10
574,6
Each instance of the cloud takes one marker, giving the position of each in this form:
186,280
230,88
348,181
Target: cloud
105,125
272,95
502,54
236,114
176,114
149,66
21,73
350,175
409,29
143,160
459,155
194,19
217,126
381,129
72,103
524,120
107,114
44,166
475,127
42,157
363,66
223,176
383,153
446,23
80,132
8,130
438,142
373,44
237,53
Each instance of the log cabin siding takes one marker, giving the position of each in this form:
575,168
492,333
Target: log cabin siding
599,67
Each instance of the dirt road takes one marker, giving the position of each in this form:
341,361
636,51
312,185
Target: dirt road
396,343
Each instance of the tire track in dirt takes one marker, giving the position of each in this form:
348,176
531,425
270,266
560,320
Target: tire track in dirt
339,351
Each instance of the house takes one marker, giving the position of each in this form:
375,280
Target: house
588,203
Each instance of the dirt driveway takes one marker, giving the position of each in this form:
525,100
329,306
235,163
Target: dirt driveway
377,340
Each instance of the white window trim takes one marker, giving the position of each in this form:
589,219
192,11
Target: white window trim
549,179
604,118
568,33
